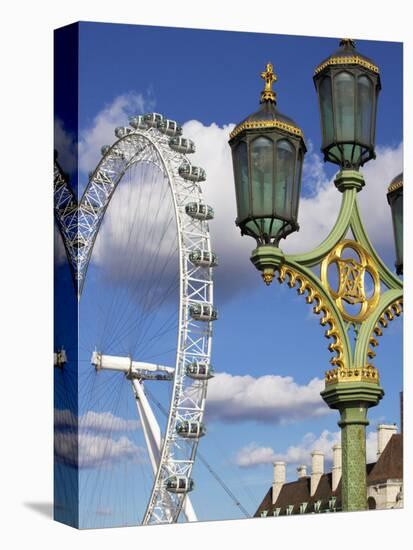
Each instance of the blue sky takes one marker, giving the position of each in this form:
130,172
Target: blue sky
208,81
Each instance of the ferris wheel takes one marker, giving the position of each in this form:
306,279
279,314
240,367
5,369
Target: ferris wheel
139,250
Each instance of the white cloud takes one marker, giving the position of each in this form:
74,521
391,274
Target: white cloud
93,451
101,131
60,256
65,145
90,442
270,398
317,213
94,421
255,455
140,215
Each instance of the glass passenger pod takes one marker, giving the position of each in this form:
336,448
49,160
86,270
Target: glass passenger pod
170,127
153,119
203,312
192,173
199,211
190,430
138,122
179,484
203,258
122,131
104,149
182,145
199,370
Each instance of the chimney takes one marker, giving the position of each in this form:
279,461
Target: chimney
279,480
384,434
317,465
336,471
302,471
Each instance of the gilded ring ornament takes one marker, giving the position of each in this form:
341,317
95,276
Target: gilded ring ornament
351,283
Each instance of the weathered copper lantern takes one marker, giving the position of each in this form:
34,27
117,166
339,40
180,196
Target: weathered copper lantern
267,151
348,84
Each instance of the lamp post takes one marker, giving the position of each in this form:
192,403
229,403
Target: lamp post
268,150
395,199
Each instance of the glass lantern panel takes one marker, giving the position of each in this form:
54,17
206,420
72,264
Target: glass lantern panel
326,106
241,179
285,178
297,186
265,228
344,106
397,215
262,176
364,108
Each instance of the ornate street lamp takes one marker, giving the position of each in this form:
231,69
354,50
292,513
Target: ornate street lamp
347,84
267,151
267,189
395,199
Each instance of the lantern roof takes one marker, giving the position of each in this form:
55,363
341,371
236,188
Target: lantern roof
347,55
268,116
396,183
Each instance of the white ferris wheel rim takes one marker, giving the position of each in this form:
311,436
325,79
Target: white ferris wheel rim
163,507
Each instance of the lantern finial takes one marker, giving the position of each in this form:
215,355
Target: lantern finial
348,42
269,76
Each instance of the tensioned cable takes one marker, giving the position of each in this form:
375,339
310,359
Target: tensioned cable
205,463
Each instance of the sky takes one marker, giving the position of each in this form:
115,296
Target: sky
269,352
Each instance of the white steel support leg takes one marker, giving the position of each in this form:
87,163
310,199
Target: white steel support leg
152,433
150,425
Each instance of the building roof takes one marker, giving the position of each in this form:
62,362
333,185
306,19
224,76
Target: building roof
390,462
295,493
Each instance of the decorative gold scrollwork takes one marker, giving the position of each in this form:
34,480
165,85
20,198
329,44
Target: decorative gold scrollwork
328,319
394,309
365,374
351,280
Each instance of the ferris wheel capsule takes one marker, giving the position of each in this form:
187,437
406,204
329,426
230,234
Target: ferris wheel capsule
122,131
199,370
138,122
182,145
104,149
203,312
170,127
153,119
179,484
199,211
190,430
192,173
203,258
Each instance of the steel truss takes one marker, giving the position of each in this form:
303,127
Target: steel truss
79,225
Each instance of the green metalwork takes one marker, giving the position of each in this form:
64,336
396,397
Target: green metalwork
267,193
353,385
353,399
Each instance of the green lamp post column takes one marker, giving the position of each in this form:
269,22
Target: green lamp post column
352,392
268,150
